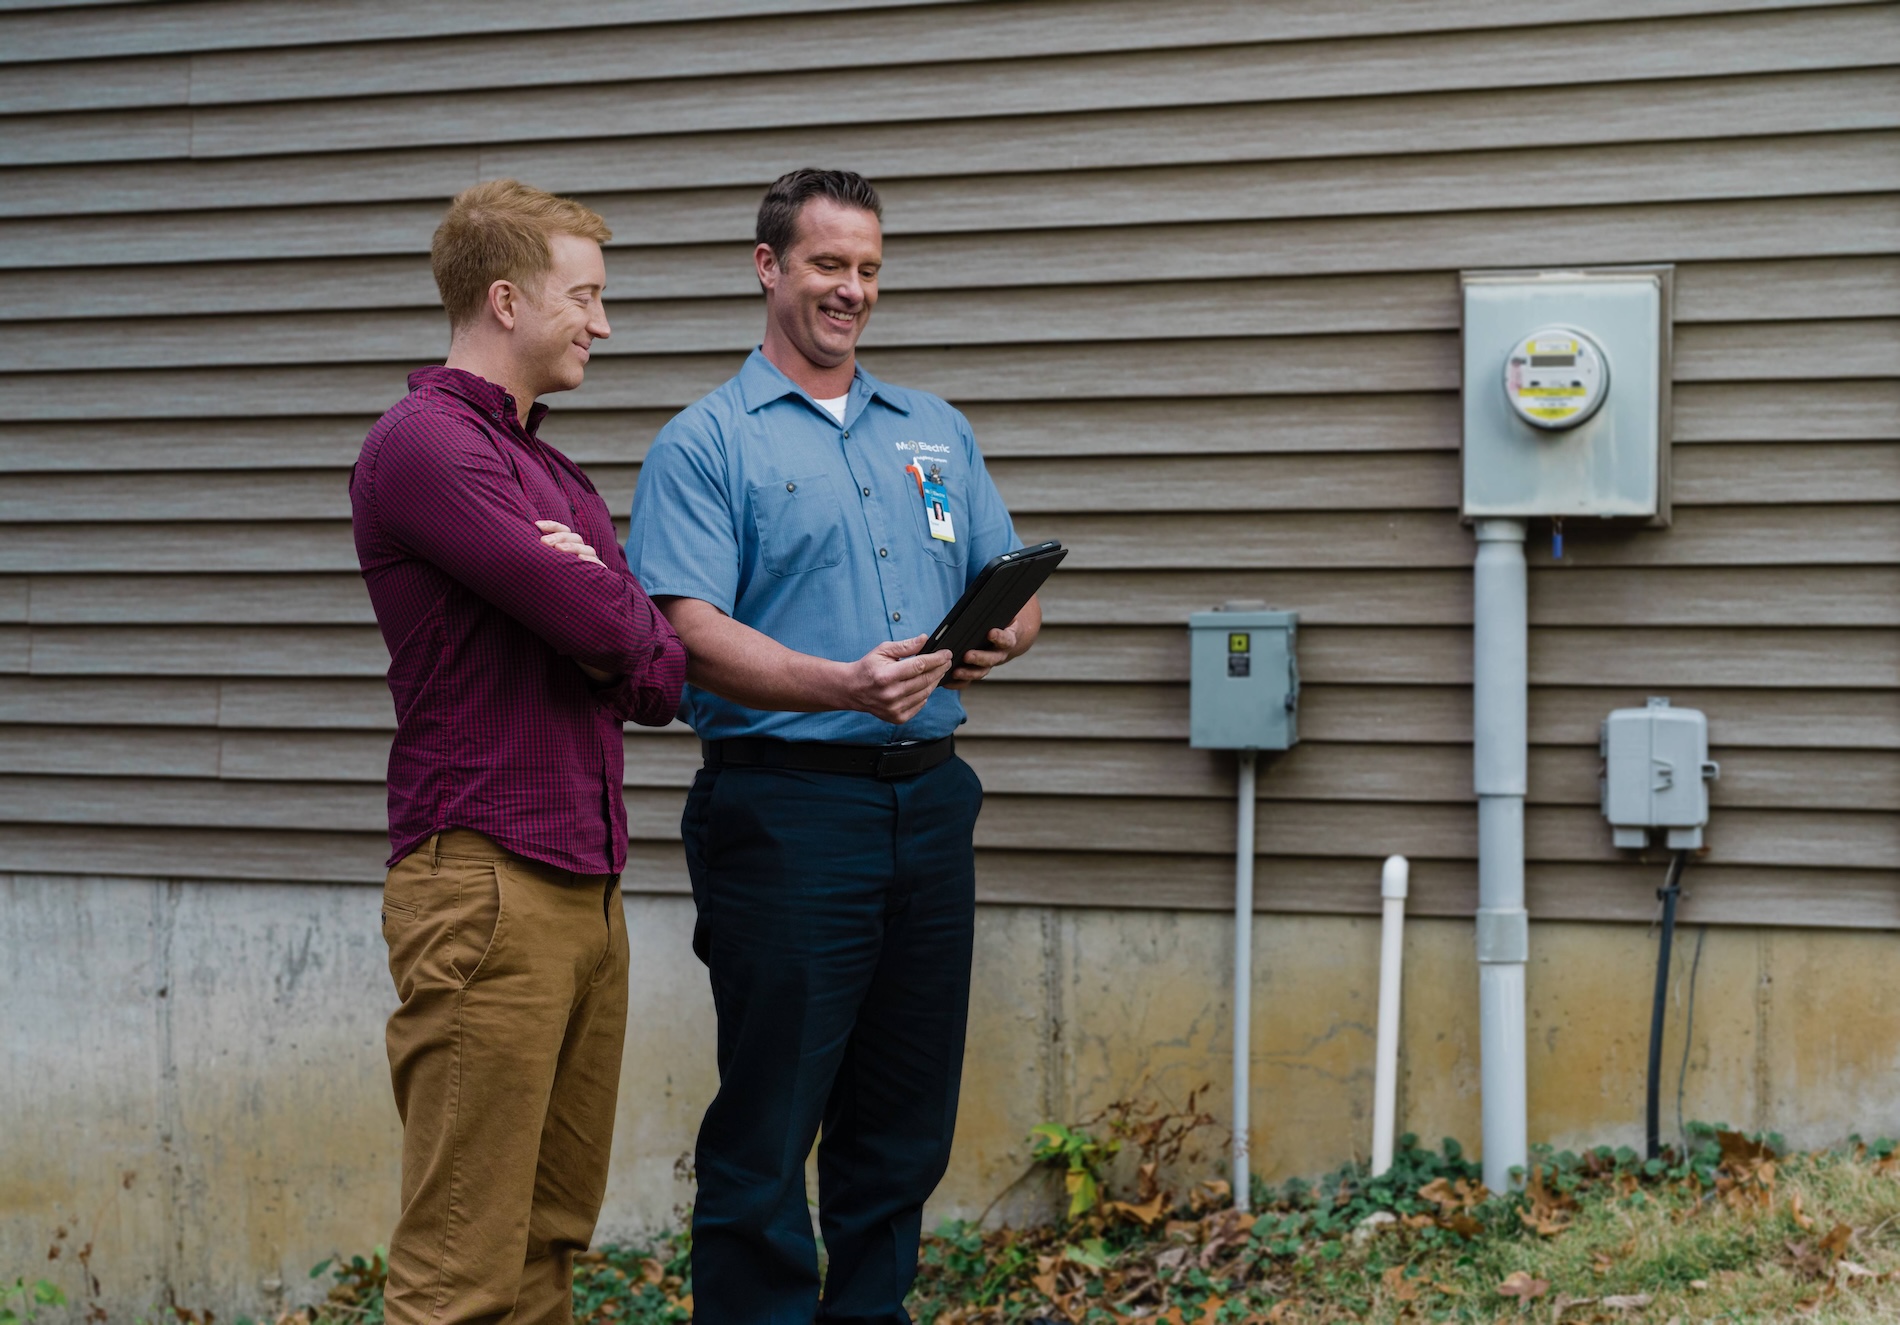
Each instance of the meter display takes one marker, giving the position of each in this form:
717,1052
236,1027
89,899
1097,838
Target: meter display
1556,378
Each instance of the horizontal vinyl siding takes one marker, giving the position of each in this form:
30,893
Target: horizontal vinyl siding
1152,251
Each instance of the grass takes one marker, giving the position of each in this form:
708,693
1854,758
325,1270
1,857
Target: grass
1732,1231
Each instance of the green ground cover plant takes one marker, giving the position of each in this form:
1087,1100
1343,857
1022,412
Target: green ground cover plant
1730,1228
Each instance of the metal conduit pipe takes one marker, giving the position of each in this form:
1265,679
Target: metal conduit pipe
1500,760
1243,985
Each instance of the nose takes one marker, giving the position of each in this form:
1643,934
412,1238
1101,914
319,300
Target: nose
851,290
597,324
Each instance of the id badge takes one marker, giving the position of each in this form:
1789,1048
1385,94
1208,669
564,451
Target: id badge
936,502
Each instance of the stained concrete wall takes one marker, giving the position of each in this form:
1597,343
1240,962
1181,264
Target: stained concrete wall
193,1078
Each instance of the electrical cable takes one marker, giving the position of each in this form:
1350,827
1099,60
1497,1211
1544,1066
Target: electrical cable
1688,1036
1668,893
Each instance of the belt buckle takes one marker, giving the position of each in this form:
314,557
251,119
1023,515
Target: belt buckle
899,761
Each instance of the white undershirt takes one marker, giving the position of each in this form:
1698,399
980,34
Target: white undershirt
835,406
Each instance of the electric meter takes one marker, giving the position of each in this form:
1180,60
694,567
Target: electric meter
1556,378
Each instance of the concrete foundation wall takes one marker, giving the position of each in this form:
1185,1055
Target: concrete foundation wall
192,1077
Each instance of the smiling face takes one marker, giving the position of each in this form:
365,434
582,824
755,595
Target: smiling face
819,294
555,327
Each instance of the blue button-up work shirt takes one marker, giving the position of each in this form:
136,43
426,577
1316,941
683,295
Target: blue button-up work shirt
758,501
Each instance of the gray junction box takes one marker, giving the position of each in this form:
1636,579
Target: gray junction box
1244,680
1656,774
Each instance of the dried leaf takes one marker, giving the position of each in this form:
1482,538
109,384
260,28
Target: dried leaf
1520,1285
1398,1286
1855,1270
1563,1303
1801,1219
1627,1301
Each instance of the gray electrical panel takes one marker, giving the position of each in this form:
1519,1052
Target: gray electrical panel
1656,771
1566,393
1244,679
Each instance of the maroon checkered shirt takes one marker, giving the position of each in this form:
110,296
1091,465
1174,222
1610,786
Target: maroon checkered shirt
497,729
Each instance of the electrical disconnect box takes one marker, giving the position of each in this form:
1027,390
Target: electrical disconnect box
1566,393
1244,679
1656,774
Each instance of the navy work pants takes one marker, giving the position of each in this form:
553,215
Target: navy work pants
836,916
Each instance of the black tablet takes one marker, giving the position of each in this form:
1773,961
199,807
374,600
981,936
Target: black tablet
994,598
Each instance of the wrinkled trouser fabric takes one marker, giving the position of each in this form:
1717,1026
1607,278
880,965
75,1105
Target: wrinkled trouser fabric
836,916
505,1058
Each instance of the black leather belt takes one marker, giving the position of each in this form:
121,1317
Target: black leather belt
870,761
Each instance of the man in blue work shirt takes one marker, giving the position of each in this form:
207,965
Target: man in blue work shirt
800,526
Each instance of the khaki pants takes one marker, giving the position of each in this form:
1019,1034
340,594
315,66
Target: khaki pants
505,1056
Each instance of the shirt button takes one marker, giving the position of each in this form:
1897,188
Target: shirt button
883,552
867,492
847,434
791,487
897,616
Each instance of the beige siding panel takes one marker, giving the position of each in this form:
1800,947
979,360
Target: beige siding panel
306,703
160,850
1741,895
336,599
196,25
1306,365
1752,352
1796,288
119,751
15,651
616,178
119,701
1785,412
237,546
1406,714
1560,596
1776,595
1806,472
1771,228
1384,655
193,803
1411,71
208,651
120,84
301,300
1287,307
41,139
990,31
1110,823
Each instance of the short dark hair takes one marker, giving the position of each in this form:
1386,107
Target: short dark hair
778,211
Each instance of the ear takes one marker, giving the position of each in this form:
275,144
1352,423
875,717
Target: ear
504,303
765,262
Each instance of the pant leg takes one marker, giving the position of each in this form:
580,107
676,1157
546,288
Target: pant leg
791,875
893,1107
487,966
577,1139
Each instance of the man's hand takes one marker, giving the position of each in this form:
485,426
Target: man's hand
562,539
892,681
977,663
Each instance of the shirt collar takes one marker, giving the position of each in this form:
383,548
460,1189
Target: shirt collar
484,395
761,383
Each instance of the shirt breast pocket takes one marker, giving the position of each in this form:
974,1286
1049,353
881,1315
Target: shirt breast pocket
800,524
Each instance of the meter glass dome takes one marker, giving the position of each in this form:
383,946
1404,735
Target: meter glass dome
1556,378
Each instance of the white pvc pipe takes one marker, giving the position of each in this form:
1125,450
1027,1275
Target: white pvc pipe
1243,981
1385,1073
1500,693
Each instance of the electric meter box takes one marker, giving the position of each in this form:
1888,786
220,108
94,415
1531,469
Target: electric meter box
1566,393
1656,774
1244,680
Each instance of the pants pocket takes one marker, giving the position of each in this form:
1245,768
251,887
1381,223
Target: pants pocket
480,919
